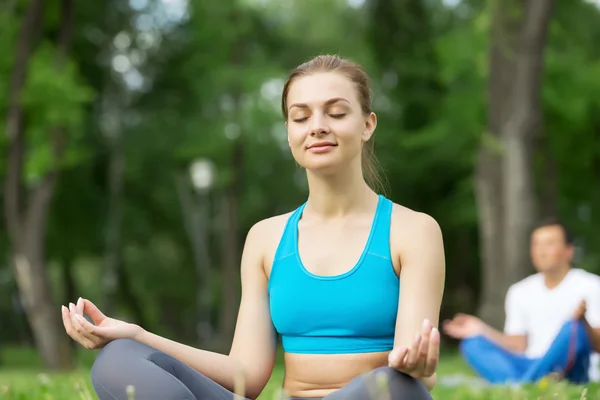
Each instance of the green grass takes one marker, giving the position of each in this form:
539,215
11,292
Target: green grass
22,378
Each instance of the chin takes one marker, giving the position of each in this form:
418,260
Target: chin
544,269
324,167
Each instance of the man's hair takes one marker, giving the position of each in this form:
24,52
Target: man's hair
546,222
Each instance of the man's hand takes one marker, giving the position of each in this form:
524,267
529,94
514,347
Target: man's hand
463,325
580,311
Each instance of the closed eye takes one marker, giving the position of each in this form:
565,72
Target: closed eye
338,115
300,119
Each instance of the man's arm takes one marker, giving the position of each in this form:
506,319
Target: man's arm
514,337
593,333
588,313
463,326
514,343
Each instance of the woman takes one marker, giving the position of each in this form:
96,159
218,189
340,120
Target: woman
351,281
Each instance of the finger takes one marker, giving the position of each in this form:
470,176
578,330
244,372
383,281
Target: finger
433,353
396,357
424,345
76,320
411,358
95,314
101,333
422,348
449,327
84,337
79,306
69,328
66,317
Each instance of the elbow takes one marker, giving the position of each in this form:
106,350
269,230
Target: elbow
252,394
250,389
255,381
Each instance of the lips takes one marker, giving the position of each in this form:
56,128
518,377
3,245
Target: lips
321,144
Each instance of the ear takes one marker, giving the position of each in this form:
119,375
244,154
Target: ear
369,128
571,252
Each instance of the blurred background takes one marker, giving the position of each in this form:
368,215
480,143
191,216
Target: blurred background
141,139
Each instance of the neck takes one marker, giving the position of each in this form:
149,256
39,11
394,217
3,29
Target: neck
339,194
554,278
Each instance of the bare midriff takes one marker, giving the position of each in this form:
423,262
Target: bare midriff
317,375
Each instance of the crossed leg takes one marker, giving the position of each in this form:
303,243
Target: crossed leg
156,375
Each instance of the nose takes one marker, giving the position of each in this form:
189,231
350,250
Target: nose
318,125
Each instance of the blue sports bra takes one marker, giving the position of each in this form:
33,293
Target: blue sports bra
354,312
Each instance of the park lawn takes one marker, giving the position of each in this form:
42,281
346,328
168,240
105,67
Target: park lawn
21,378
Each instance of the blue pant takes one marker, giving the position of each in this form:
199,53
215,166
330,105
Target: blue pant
498,365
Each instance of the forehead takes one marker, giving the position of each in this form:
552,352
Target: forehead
549,232
317,88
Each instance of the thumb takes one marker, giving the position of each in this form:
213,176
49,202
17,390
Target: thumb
102,332
396,356
95,314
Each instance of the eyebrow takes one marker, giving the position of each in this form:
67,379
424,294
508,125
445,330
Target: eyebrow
327,103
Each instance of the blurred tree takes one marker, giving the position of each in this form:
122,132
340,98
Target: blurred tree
504,175
30,114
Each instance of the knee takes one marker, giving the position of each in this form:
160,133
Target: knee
574,331
571,324
112,356
572,328
163,361
114,351
473,345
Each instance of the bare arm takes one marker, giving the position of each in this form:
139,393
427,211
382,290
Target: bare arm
254,344
514,343
463,326
593,333
422,280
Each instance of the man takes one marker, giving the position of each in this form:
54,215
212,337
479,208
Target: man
552,319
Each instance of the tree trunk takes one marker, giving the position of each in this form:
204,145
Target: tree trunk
116,170
230,239
128,296
504,184
70,288
27,218
547,186
70,291
197,222
231,247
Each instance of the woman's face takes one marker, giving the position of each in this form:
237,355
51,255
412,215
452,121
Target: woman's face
326,126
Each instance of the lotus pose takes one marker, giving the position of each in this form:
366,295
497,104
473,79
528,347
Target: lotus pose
351,281
552,320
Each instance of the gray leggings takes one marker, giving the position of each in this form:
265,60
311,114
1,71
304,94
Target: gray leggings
158,376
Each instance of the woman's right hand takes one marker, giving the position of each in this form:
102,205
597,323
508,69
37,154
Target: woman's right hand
101,332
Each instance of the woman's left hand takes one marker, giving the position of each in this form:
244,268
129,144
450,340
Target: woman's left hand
421,359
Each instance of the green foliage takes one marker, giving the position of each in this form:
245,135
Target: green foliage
54,97
212,86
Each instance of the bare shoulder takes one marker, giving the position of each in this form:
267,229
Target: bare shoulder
265,236
415,236
268,228
410,225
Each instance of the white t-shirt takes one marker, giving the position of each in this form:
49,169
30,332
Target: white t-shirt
538,312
